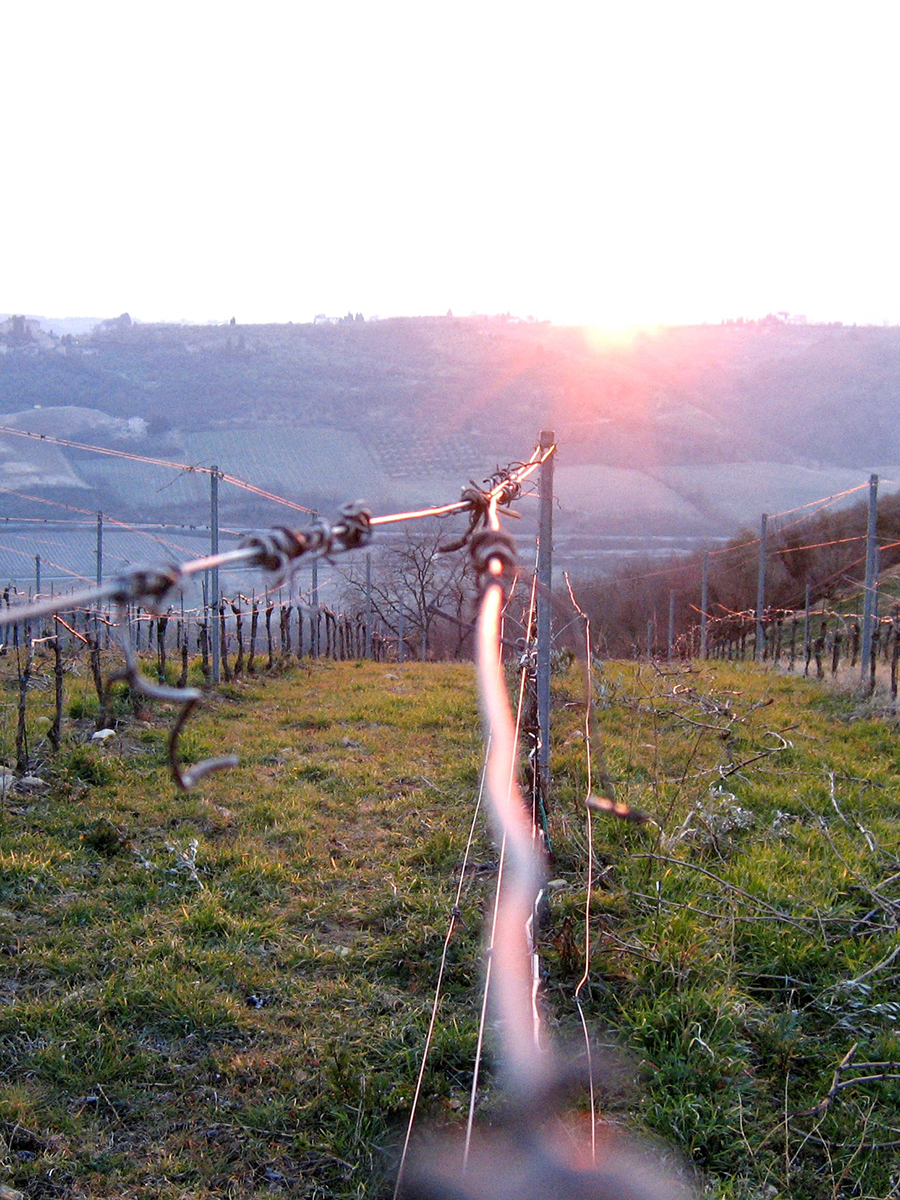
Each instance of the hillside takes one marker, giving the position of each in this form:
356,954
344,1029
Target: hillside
683,431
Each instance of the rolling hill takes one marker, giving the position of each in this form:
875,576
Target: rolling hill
685,432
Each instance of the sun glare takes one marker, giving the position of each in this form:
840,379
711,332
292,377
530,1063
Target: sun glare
616,337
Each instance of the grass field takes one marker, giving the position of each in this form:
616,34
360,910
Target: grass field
227,993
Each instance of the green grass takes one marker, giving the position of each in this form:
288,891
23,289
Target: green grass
227,993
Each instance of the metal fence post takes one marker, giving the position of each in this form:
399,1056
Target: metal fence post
214,581
704,605
871,576
368,604
314,600
761,590
545,582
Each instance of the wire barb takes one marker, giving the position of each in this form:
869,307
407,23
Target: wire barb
188,698
152,587
276,550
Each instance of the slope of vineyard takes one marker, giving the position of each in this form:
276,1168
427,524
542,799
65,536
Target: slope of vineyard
664,431
227,993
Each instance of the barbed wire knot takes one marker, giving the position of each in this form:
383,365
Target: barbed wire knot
151,586
509,489
355,528
479,503
488,546
277,548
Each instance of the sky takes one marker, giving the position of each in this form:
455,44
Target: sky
591,163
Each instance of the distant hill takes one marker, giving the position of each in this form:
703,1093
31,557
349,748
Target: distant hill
683,431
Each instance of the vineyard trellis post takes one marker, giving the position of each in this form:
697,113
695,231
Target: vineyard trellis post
214,574
314,600
37,575
871,576
704,605
544,600
99,550
670,642
368,604
761,589
807,642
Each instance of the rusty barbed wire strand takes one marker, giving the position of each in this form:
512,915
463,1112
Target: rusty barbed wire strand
824,501
279,549
501,869
525,1062
185,468
455,917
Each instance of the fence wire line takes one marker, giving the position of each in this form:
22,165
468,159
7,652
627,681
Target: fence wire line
280,551
523,1055
824,502
56,566
141,532
589,834
185,468
455,916
520,704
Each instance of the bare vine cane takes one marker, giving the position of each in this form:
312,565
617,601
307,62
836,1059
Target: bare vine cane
152,587
528,1156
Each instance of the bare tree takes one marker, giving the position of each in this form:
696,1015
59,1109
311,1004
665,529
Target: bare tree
411,578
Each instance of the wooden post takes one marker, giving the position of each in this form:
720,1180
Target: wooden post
269,609
223,642
836,651
670,646
819,649
21,725
254,625
239,633
185,651
203,638
161,626
873,654
54,730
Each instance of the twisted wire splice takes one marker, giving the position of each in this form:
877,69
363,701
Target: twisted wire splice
277,548
151,586
488,546
355,528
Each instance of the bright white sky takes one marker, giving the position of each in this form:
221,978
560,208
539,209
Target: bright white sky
610,163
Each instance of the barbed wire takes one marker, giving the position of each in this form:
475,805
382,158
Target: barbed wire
824,502
185,468
280,550
529,1071
501,871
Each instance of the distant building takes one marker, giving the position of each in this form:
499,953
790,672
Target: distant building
19,332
